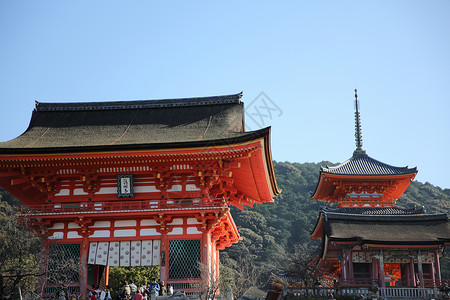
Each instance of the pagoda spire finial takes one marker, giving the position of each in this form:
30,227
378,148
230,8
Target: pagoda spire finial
358,132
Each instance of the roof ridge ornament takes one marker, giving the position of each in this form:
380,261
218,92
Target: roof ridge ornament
358,132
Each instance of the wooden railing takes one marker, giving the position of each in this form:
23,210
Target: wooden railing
122,205
383,293
366,282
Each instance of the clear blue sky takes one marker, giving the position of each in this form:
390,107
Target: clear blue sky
306,56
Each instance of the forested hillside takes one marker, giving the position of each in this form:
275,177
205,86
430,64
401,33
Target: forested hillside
289,220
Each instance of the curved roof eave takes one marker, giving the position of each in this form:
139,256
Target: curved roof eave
241,138
269,163
364,165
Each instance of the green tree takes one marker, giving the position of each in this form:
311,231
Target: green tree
19,263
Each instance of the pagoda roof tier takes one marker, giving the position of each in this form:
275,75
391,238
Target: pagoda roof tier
375,210
361,164
394,229
317,232
128,125
363,181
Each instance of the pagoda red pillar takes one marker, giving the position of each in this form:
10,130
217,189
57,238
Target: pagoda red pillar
437,267
344,265
433,276
350,266
381,261
374,271
420,270
412,275
407,276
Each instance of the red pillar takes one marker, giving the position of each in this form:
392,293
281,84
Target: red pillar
382,283
344,266
106,275
408,277
433,277
374,271
164,265
206,255
350,266
84,251
217,262
412,273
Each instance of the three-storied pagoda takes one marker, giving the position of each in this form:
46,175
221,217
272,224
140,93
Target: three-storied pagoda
365,238
138,183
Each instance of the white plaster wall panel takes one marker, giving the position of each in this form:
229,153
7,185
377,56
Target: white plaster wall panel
193,230
191,188
147,253
125,223
79,192
73,225
176,230
100,224
64,192
175,188
149,232
101,233
73,235
56,235
113,254
125,253
177,221
102,253
149,222
153,204
125,233
156,260
145,189
135,253
92,252
57,226
107,190
193,221
98,206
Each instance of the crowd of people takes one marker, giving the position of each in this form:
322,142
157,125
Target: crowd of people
100,294
130,291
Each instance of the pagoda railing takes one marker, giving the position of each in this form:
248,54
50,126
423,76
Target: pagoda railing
359,292
367,282
122,205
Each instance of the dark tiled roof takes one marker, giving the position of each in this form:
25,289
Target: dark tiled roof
133,125
402,229
362,164
374,210
139,104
